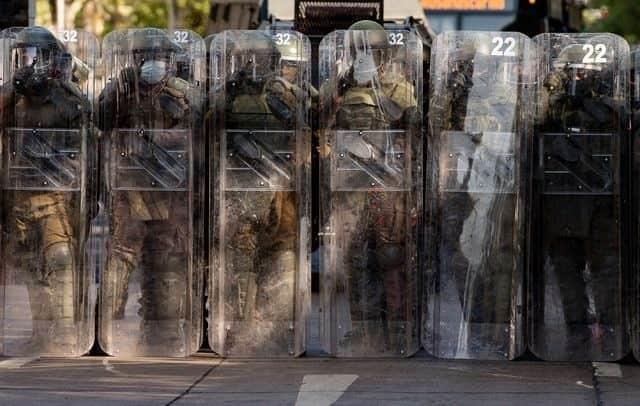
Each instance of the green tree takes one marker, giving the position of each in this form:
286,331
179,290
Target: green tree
104,16
617,16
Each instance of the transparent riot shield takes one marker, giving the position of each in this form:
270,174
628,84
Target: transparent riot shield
47,282
579,223
151,118
371,191
260,277
633,294
480,120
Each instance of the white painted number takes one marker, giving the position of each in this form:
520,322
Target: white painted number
283,38
594,54
181,37
396,38
504,47
70,36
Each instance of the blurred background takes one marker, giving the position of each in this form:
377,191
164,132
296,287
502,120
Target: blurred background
210,16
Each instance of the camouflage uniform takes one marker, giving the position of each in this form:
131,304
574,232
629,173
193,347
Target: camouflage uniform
376,221
263,225
47,246
149,229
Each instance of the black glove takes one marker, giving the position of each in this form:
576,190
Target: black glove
26,82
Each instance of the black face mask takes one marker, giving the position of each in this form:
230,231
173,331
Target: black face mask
580,85
29,82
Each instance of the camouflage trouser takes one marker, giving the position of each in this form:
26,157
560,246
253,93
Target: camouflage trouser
374,232
149,233
45,246
252,249
260,268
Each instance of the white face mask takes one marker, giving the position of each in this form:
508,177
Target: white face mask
364,69
152,72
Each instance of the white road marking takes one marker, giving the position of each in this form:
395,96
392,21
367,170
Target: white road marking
16,362
580,383
607,369
323,390
107,365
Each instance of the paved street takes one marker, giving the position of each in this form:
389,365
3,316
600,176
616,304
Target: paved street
207,380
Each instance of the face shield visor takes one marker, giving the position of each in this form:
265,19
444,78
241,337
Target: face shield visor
580,77
367,58
33,57
253,66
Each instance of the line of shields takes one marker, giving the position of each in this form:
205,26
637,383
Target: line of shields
160,184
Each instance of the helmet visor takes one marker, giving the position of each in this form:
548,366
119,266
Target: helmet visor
140,57
30,57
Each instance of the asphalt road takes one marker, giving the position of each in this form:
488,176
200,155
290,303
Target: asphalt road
207,380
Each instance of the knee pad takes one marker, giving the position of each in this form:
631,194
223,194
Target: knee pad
58,258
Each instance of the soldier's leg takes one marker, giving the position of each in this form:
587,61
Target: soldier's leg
275,302
452,262
56,282
604,283
392,263
22,251
276,265
164,285
389,218
365,306
127,238
501,266
247,215
567,258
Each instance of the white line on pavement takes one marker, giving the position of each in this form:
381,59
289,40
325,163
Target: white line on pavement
16,362
107,365
584,385
323,390
607,369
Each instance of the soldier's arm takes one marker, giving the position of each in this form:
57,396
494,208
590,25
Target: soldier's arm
107,107
326,105
282,98
401,98
114,97
71,105
176,98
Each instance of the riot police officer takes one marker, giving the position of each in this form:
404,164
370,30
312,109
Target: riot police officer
579,190
371,112
150,114
477,153
45,139
264,126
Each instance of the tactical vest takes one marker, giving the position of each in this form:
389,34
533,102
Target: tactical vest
359,110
